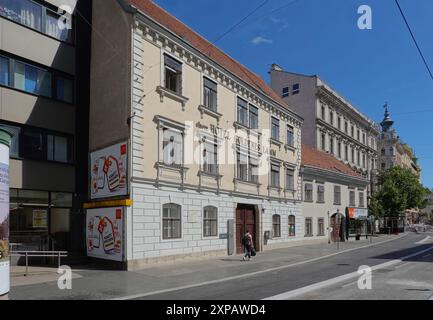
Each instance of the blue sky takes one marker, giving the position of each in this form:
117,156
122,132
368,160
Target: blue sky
368,67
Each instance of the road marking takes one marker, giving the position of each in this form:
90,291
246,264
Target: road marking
142,295
424,240
410,283
320,285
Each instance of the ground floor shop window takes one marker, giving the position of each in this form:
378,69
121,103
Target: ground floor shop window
321,227
308,227
292,226
40,220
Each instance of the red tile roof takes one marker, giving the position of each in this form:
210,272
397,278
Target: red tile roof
319,159
161,16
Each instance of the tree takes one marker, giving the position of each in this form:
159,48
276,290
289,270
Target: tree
399,189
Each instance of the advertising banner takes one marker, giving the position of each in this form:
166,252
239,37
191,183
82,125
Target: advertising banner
108,176
4,213
40,218
104,233
358,213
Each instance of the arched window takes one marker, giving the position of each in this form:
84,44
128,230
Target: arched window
292,226
210,221
276,226
391,151
171,221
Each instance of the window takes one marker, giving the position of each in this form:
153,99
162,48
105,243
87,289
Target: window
352,158
64,89
331,145
290,136
383,165
363,138
171,221
290,179
285,92
172,145
254,169
308,192
361,199
352,131
292,226
323,142
308,227
339,123
382,152
346,125
210,157
24,12
52,27
37,145
35,16
323,113
321,226
173,74
391,151
346,153
321,194
358,135
275,175
254,117
242,112
57,148
275,129
331,117
14,147
210,221
35,80
337,195
358,158
363,161
352,198
276,226
339,149
242,166
4,71
296,88
31,79
210,94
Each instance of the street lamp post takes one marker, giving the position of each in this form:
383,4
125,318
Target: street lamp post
329,229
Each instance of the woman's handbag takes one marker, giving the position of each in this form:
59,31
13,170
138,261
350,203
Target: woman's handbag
253,252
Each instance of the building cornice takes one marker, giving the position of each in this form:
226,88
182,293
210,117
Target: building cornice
332,176
162,37
329,96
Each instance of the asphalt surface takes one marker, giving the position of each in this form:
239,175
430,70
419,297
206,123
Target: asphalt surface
270,273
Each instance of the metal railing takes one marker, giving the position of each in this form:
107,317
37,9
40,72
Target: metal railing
39,254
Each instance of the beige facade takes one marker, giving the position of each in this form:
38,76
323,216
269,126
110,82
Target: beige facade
332,124
184,152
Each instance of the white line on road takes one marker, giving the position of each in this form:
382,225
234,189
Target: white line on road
424,240
142,295
320,285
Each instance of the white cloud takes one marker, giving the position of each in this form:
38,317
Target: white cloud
259,40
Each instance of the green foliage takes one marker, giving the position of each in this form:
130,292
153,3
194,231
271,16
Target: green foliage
399,189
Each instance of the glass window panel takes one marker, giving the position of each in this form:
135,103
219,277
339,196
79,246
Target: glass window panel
24,12
52,27
64,89
4,71
15,131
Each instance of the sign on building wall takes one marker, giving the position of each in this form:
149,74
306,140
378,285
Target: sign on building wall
40,218
358,213
109,169
104,233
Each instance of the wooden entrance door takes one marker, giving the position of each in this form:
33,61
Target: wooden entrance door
245,220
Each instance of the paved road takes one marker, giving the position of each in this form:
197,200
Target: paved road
272,273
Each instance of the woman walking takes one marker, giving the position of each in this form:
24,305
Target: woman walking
247,242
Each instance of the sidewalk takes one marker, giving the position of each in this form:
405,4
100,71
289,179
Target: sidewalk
92,283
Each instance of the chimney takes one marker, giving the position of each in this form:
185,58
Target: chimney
276,67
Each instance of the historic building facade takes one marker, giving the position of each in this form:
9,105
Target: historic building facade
332,193
331,123
393,151
212,150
